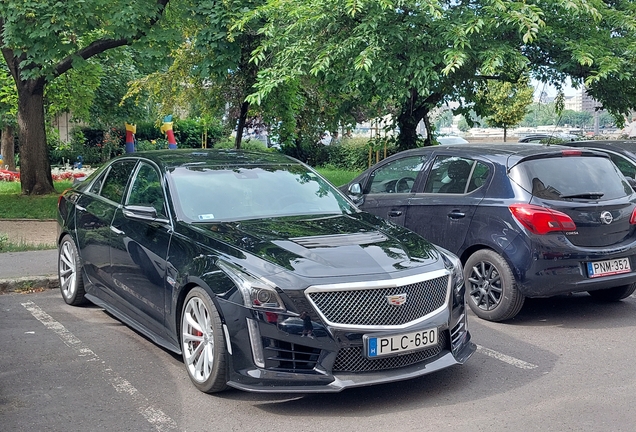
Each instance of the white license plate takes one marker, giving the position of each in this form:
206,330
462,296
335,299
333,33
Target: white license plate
382,346
608,267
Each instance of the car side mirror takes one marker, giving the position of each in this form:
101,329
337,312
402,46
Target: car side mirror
355,193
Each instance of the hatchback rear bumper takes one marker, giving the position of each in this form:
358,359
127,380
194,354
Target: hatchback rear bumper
553,266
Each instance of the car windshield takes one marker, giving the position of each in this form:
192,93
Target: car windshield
212,194
567,178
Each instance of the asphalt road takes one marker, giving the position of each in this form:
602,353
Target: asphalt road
562,364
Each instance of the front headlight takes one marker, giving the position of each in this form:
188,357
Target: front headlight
258,293
454,265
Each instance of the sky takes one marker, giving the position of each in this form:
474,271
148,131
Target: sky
551,91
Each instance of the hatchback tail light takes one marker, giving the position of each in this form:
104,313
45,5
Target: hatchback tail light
541,220
632,219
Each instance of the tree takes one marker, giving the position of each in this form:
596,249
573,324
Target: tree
415,55
405,57
505,104
44,39
578,119
594,44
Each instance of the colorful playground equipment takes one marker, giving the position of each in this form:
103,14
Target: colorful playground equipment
166,128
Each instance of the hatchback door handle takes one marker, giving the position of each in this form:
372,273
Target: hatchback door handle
395,213
456,214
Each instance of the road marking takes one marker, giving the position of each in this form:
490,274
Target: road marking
153,415
506,358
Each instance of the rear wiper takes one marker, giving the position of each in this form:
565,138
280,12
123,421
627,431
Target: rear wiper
590,195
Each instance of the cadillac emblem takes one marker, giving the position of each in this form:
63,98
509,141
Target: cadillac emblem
397,299
606,218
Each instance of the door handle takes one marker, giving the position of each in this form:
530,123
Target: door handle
116,231
456,214
395,213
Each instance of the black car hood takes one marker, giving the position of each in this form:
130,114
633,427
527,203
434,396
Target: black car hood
362,245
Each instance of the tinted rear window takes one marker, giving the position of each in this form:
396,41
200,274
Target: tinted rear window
573,177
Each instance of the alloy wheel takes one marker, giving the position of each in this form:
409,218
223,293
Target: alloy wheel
485,287
198,340
68,270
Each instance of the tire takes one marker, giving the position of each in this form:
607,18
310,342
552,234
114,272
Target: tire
203,342
69,272
491,288
613,294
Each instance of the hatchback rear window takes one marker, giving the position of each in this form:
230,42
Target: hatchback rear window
569,178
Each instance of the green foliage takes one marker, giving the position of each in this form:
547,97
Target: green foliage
337,177
95,146
504,104
191,133
74,92
579,119
444,119
463,125
8,98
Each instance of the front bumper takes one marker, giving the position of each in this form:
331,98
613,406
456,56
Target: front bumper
331,360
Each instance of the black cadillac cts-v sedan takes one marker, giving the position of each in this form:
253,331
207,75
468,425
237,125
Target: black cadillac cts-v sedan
260,273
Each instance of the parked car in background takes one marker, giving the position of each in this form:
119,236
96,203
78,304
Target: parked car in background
547,138
260,273
450,139
526,220
622,153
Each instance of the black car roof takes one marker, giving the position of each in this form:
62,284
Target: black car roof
512,152
629,145
212,157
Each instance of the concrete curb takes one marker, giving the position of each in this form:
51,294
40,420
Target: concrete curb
29,284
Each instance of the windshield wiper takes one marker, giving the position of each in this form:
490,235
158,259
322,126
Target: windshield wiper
589,195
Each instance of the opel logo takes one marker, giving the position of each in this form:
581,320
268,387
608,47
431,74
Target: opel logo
396,300
606,217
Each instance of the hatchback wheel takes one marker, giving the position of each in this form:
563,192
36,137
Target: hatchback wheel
202,342
492,292
614,294
70,272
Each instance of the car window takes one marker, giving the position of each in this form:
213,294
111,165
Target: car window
96,187
456,175
573,177
397,176
116,180
624,165
146,189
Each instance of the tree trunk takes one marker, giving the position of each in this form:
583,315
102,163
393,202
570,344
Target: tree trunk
407,122
505,133
241,125
35,168
7,148
414,110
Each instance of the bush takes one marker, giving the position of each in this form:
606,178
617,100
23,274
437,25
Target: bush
352,154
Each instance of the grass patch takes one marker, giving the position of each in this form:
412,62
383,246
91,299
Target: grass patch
338,177
8,246
13,205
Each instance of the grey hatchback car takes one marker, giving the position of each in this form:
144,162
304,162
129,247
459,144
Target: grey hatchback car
526,220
